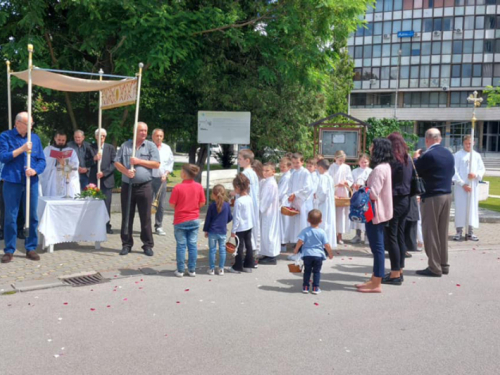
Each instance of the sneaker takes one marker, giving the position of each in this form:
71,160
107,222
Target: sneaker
340,242
221,271
232,270
316,290
457,237
356,239
179,274
472,237
191,273
211,271
305,289
247,270
160,232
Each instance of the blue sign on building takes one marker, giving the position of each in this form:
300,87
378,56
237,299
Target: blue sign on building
406,34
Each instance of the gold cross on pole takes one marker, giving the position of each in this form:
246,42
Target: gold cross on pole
476,101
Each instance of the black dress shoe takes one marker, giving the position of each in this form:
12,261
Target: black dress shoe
148,251
408,255
109,231
387,279
427,272
125,250
20,234
446,272
268,260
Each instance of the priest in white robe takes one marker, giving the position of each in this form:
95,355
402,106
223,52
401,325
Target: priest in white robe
466,181
325,196
342,177
270,238
60,178
285,166
299,196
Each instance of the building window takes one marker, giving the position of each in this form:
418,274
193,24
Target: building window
438,24
466,70
377,50
448,24
436,48
479,22
427,25
417,25
396,27
477,70
469,23
468,46
426,48
455,71
488,46
415,49
377,28
457,47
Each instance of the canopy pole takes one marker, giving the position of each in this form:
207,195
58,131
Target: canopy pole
134,140
9,104
28,159
99,143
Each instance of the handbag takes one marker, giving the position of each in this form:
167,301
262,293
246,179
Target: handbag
417,186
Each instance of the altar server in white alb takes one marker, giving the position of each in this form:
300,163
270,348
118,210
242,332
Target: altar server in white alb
299,196
325,195
342,178
60,178
466,181
286,174
270,238
245,160
311,167
360,176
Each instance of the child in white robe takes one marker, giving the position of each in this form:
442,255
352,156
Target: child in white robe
360,176
326,201
299,196
285,166
342,178
311,167
245,160
270,238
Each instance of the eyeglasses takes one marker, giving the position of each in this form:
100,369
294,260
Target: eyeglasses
25,123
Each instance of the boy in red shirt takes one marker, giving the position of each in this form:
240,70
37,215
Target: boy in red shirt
186,200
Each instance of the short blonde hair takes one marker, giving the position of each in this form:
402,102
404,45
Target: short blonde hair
340,155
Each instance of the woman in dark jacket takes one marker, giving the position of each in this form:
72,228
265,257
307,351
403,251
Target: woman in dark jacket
402,171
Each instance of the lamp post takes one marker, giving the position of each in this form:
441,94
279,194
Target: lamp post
397,87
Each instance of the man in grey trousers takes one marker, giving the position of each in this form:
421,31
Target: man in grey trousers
436,166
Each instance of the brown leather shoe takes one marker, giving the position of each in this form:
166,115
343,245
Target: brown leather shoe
7,257
32,255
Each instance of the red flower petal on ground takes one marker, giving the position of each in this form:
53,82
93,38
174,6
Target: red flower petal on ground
92,309
458,284
125,299
140,287
350,258
108,306
316,304
178,302
65,303
186,290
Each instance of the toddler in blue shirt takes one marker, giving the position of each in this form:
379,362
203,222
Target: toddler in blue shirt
313,241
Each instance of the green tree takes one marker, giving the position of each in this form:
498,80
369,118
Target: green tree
381,128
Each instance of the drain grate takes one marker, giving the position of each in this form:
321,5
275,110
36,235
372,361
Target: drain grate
84,280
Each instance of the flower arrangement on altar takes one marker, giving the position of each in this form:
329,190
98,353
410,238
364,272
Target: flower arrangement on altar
92,192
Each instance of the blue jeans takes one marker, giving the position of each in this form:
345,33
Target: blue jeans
312,264
12,195
84,181
375,233
186,235
213,241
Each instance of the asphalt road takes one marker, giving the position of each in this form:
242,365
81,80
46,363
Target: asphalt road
261,323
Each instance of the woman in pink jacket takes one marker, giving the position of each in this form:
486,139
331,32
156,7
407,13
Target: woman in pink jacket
380,184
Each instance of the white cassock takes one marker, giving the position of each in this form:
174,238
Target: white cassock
270,238
300,185
325,196
255,195
462,160
360,176
284,220
53,180
315,182
340,173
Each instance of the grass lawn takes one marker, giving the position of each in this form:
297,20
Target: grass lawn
492,203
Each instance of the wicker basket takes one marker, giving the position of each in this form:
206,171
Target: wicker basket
344,202
231,248
288,212
294,268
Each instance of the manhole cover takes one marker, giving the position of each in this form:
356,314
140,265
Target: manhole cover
84,280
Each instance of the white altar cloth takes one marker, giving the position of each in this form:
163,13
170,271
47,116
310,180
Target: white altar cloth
71,220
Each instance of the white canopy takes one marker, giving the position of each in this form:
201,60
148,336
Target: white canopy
62,82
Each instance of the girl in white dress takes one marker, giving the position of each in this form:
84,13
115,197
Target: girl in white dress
311,167
342,178
360,176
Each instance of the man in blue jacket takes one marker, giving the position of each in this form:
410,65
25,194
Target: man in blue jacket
14,146
436,167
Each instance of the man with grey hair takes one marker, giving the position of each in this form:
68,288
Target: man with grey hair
82,150
138,180
160,176
436,166
106,177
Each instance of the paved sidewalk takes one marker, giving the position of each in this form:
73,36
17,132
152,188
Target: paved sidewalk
72,258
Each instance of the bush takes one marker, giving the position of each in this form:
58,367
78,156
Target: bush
226,156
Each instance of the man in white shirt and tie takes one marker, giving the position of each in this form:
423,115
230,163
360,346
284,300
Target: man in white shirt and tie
160,177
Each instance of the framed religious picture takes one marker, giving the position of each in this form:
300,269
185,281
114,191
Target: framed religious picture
348,140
